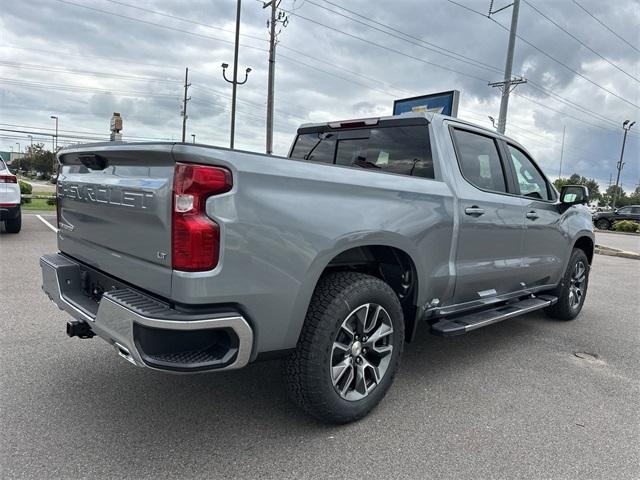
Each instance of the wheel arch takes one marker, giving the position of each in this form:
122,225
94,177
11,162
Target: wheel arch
391,264
587,245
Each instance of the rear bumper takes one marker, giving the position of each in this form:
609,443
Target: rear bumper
9,212
144,330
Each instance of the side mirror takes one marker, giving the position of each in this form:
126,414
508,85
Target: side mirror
574,195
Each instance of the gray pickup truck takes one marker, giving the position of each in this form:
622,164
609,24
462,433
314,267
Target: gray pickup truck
190,258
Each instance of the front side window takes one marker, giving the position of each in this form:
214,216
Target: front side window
624,210
402,150
530,180
479,161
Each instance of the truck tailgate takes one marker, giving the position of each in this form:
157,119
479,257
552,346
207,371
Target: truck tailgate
115,206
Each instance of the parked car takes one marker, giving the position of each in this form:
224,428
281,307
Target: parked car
10,212
605,220
189,258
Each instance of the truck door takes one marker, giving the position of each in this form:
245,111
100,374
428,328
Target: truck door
545,246
489,248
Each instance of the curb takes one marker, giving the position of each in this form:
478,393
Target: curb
615,233
614,252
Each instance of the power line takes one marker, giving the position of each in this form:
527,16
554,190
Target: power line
549,92
383,47
188,20
44,68
559,62
76,131
294,50
605,25
167,27
394,29
75,88
414,40
570,103
118,60
580,41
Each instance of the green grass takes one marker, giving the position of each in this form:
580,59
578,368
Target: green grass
38,204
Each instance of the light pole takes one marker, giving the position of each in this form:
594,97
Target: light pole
626,126
19,148
31,138
235,82
56,145
193,137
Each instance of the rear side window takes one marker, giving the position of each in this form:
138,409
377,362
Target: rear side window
402,150
479,161
2,165
530,181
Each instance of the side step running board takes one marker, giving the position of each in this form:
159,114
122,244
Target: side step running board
448,327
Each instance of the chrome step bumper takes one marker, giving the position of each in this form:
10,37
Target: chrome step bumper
145,331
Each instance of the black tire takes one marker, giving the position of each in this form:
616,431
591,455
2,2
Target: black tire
603,224
309,369
13,225
566,308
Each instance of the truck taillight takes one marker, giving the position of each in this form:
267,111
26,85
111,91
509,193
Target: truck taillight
195,237
8,179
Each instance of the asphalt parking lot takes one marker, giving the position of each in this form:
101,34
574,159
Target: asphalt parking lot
508,401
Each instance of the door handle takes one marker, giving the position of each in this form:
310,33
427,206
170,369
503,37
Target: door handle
474,211
532,215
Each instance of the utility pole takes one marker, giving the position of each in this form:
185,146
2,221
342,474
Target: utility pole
508,83
273,41
184,103
235,82
55,147
626,126
564,130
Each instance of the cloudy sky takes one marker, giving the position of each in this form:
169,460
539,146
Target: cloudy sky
84,59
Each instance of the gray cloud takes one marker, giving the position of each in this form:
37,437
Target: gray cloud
58,35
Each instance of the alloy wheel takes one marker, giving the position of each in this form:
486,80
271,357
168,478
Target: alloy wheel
361,351
577,284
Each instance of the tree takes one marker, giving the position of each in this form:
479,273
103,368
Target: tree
37,159
621,196
634,198
575,179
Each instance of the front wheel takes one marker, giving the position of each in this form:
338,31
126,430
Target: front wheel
572,290
603,224
349,348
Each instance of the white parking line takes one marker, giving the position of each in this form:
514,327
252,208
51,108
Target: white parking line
47,223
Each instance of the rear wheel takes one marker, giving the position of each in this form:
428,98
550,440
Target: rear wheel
349,348
572,291
603,224
14,225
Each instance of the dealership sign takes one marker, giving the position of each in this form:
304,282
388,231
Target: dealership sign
445,103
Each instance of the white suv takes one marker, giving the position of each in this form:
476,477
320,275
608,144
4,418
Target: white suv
9,200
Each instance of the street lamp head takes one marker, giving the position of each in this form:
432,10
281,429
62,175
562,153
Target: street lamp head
225,65
624,124
632,124
248,70
54,117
